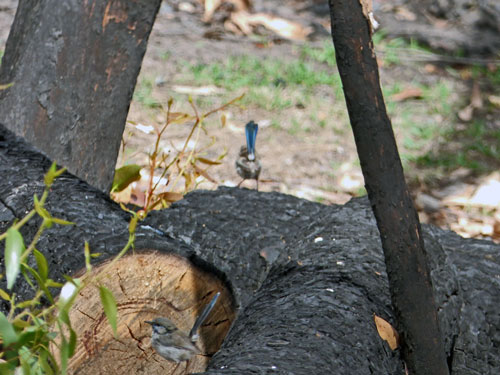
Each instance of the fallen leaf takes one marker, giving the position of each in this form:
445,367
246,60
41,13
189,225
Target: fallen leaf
187,7
409,93
495,100
146,129
476,101
284,28
487,194
466,113
430,68
210,8
203,90
404,14
387,332
242,21
232,27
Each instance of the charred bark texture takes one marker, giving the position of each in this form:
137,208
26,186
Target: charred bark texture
74,65
397,220
306,278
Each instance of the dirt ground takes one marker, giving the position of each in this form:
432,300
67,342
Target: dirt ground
314,162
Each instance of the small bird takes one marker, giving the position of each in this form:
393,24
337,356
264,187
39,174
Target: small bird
174,344
247,164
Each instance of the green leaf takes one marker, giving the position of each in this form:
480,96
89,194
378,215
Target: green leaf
42,265
133,224
41,282
72,342
61,221
124,176
40,210
64,352
9,335
28,303
14,247
4,295
42,361
53,284
52,174
109,304
87,256
7,368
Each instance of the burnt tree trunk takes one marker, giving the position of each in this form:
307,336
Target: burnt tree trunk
397,220
296,313
74,65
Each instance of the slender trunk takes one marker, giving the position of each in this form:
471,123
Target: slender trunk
397,219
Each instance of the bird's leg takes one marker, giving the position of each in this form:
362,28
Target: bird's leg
240,182
257,181
175,368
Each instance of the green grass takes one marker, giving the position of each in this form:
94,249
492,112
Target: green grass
475,147
270,84
144,93
323,55
248,71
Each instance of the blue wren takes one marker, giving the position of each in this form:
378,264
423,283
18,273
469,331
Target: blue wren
174,344
247,164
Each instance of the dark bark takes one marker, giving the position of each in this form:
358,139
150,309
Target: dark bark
298,314
397,220
74,66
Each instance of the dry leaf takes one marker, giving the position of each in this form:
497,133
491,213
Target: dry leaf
495,100
409,93
487,193
475,100
203,90
466,113
170,196
430,68
204,173
242,21
187,7
284,28
178,118
208,161
387,332
404,14
232,27
210,8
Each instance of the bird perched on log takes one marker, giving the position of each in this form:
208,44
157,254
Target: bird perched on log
174,344
247,164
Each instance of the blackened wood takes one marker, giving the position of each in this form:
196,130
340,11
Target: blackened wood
74,66
297,313
397,220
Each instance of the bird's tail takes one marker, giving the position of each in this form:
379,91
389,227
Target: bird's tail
204,315
251,132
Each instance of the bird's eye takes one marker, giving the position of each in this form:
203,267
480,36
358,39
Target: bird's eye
159,329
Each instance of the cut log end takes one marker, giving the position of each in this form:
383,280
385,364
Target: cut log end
147,285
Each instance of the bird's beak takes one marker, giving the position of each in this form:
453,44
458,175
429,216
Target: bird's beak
149,322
